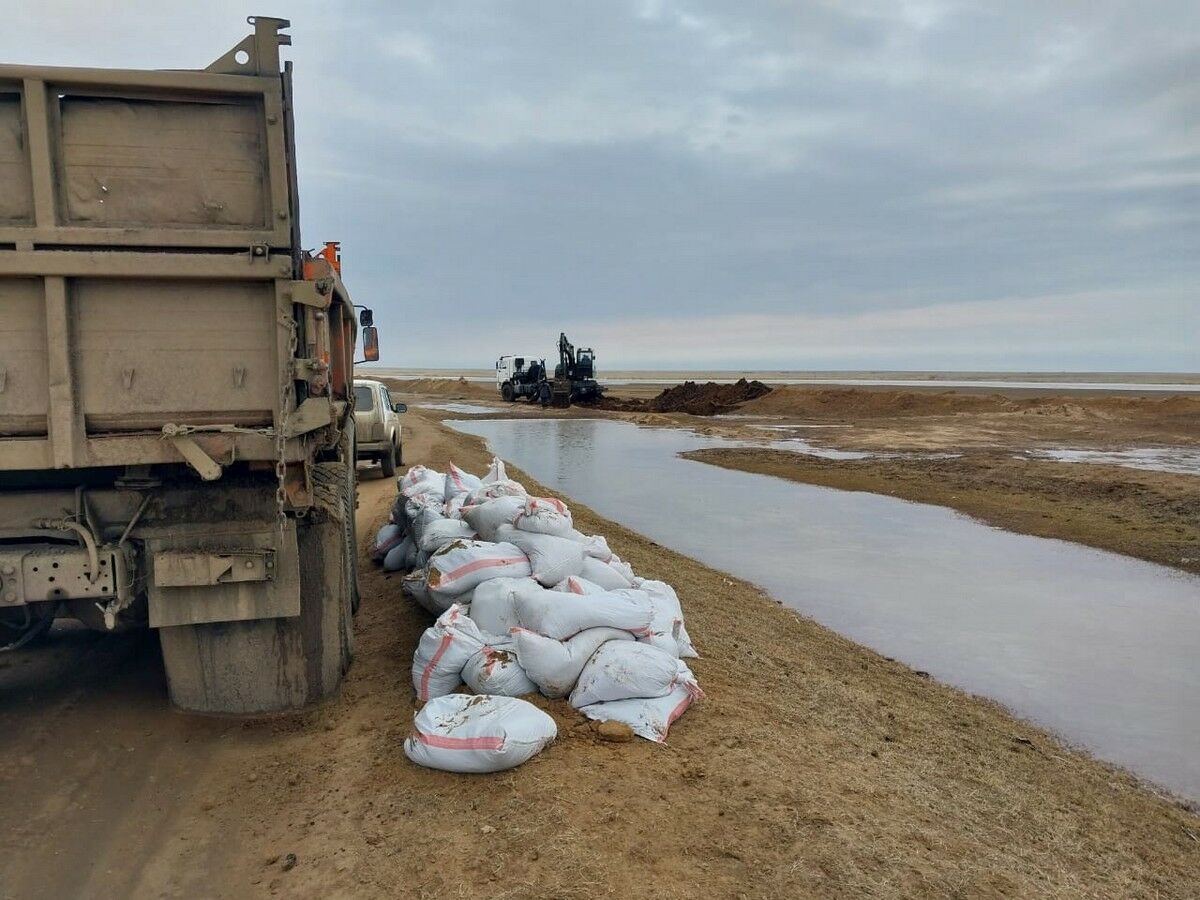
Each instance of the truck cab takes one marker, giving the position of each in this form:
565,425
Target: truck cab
519,376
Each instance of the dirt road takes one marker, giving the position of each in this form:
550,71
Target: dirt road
814,768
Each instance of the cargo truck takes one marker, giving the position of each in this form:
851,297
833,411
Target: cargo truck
177,436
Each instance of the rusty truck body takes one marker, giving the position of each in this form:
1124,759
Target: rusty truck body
176,377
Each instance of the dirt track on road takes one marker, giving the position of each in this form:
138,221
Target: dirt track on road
814,768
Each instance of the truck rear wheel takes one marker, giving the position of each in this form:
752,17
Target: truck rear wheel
276,665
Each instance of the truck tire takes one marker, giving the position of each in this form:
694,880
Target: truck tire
387,462
506,391
277,665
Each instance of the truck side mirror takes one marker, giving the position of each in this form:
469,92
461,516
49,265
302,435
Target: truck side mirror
400,407
370,336
366,318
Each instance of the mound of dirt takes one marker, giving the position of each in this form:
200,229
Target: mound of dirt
708,399
450,388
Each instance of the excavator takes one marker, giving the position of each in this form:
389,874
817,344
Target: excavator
575,374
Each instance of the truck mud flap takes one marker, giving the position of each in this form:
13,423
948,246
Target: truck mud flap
224,577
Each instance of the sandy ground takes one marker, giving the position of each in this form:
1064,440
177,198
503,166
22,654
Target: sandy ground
814,768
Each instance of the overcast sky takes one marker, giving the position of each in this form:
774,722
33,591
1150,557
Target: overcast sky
809,185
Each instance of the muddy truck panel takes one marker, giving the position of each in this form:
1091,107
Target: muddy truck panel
176,377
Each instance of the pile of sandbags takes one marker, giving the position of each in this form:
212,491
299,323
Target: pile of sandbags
525,602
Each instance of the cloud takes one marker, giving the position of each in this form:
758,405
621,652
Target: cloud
797,183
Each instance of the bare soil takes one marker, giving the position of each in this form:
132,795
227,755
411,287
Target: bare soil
693,398
814,768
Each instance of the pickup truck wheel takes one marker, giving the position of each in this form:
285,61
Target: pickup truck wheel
276,665
506,391
387,462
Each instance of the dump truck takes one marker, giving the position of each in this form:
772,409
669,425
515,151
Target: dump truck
177,437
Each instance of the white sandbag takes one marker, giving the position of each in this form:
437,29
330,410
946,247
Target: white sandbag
495,472
604,575
554,666
478,733
493,604
415,588
389,536
544,515
624,569
460,565
577,584
649,718
421,512
552,558
668,629
420,481
562,615
442,652
496,489
495,670
594,545
453,507
459,483
401,557
487,516
619,671
437,534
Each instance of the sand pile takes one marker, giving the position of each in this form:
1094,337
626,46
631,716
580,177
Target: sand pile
708,399
450,388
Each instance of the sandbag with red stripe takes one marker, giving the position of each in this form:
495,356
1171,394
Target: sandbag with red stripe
496,670
401,557
442,652
389,536
440,532
554,666
563,615
421,481
649,718
459,483
669,632
603,574
552,558
594,545
544,515
488,515
421,512
461,565
493,604
478,733
577,584
621,670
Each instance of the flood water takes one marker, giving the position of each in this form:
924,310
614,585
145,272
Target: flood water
469,409
1180,460
1100,648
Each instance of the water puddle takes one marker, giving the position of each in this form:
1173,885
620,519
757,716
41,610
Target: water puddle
1097,647
470,409
1181,460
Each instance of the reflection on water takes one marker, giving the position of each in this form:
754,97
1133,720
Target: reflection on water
1098,647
